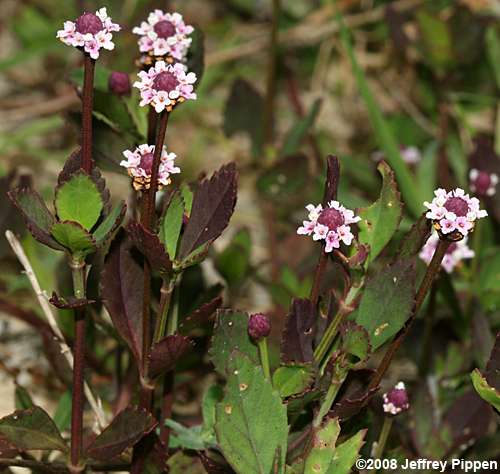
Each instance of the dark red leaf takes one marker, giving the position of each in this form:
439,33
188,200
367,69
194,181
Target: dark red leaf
298,335
150,246
7,449
165,354
332,179
493,366
126,429
213,205
122,291
199,316
415,239
213,466
69,302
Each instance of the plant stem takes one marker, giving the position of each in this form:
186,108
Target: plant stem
152,125
78,274
432,270
328,337
338,378
318,277
268,120
382,439
165,298
88,100
264,357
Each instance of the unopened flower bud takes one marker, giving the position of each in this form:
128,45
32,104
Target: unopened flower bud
119,83
396,400
259,326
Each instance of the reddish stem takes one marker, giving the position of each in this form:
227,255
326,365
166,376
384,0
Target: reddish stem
318,276
88,99
166,407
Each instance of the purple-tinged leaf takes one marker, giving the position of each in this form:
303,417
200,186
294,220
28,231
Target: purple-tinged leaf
7,450
298,335
165,354
213,205
32,429
69,302
415,239
150,246
493,365
214,466
122,292
127,428
37,217
332,179
200,315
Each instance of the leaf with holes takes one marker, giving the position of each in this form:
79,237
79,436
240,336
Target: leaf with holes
74,237
213,206
37,217
251,421
122,292
293,379
380,221
298,336
387,301
165,354
150,246
171,224
230,334
79,200
32,429
126,429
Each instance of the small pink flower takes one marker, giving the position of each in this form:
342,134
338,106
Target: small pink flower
330,224
165,85
164,34
139,166
396,400
90,31
454,211
456,252
410,155
483,183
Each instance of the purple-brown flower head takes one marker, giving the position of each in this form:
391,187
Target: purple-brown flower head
165,36
139,164
259,326
482,182
90,32
330,224
455,253
165,85
396,400
119,83
454,212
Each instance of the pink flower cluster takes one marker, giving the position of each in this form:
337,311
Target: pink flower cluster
165,85
139,165
454,211
456,252
482,182
164,34
90,31
330,224
396,400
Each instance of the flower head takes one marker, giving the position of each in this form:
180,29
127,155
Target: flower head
330,224
164,35
410,155
139,165
119,83
259,326
456,252
90,31
396,400
482,182
165,85
454,213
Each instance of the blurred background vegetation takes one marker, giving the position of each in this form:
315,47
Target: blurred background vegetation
381,76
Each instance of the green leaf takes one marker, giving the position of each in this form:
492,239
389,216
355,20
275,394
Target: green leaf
105,230
325,457
73,236
292,379
62,416
300,130
436,39
387,301
184,463
355,341
485,391
385,137
381,220
187,197
171,224
32,429
230,333
233,262
251,422
23,398
79,200
493,50
212,396
184,437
